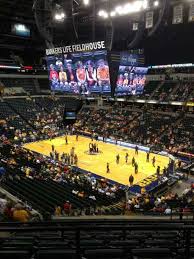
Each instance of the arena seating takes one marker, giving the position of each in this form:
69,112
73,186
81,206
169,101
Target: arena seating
45,195
11,117
129,125
27,108
181,135
99,239
164,91
150,88
26,83
183,92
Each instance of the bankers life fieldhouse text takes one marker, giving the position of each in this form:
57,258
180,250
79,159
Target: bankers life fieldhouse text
76,48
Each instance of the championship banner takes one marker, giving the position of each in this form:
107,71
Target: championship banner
191,12
177,14
135,26
149,20
86,47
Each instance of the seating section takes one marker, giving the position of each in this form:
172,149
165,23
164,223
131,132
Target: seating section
27,108
150,87
182,135
26,83
45,195
115,123
162,94
148,127
100,239
132,126
183,92
11,117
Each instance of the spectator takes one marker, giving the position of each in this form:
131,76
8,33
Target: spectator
58,211
67,208
20,214
3,203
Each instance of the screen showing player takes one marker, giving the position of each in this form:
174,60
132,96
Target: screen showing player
79,73
130,80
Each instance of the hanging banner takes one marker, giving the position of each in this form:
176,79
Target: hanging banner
191,12
149,20
135,26
177,14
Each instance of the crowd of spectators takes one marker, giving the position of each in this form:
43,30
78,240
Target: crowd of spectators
20,163
147,127
164,204
14,211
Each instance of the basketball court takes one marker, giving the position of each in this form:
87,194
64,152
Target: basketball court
107,153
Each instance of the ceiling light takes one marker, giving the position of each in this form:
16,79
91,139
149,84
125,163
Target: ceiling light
145,4
59,16
156,3
86,2
113,13
103,13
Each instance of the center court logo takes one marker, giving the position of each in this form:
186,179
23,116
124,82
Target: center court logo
93,153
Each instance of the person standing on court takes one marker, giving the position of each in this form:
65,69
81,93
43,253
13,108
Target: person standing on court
126,158
107,168
153,161
131,179
66,140
136,167
117,159
158,171
136,150
133,161
148,156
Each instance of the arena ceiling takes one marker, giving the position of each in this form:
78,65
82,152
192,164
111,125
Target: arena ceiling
169,44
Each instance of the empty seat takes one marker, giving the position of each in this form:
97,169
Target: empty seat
14,254
152,253
58,254
105,253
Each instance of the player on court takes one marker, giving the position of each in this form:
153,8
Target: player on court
66,140
158,171
75,160
136,150
136,167
133,161
131,179
126,158
153,161
77,137
148,156
107,168
117,159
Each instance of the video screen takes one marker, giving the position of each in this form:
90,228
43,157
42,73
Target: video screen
21,30
131,80
70,116
79,73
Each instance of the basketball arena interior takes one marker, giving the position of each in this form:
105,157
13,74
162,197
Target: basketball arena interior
96,129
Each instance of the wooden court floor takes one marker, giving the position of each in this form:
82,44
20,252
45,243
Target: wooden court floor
97,163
